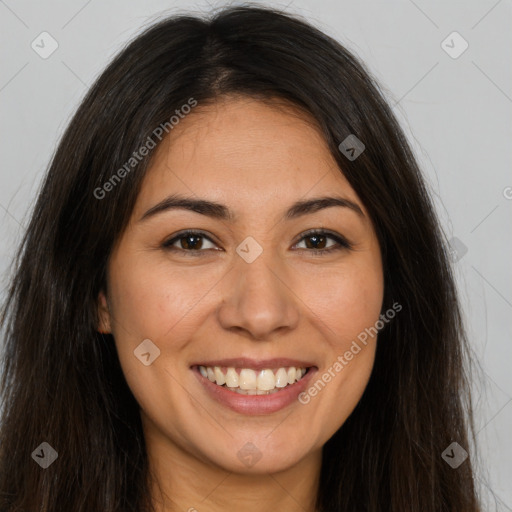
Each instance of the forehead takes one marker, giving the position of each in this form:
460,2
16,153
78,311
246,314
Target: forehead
243,151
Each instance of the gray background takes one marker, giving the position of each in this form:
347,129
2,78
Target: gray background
455,111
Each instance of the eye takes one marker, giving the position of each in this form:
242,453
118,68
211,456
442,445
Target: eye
192,242
318,242
189,242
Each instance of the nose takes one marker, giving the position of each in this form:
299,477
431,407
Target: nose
258,299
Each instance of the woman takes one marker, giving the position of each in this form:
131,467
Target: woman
231,220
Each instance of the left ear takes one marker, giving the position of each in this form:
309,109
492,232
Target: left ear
103,314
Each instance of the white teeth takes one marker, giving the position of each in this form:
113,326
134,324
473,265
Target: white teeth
253,392
247,379
231,378
219,376
281,378
266,380
251,382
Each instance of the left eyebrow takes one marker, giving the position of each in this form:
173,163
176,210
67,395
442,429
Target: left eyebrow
319,203
220,211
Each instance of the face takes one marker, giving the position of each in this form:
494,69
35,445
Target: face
250,294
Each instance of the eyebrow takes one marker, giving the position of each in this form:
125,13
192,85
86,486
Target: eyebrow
220,211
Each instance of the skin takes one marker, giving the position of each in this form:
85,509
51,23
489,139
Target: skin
256,159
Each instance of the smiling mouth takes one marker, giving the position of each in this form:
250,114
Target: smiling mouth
246,381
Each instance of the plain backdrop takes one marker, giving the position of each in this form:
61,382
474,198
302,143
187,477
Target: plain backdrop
454,107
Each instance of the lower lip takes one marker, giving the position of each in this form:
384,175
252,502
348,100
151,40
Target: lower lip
255,404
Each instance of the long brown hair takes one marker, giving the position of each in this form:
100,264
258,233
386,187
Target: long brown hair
61,380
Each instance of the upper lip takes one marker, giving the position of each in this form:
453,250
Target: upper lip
256,364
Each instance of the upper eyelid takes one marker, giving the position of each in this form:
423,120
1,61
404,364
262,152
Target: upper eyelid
324,231
184,233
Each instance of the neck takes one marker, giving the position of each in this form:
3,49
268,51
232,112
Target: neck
181,481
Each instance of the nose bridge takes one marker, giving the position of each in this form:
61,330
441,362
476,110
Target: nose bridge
257,298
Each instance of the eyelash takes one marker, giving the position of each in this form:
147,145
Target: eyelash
341,241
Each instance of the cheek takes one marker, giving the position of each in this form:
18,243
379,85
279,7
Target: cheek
347,300
152,298
345,316
155,302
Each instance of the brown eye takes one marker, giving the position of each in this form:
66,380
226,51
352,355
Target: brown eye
187,241
192,242
316,242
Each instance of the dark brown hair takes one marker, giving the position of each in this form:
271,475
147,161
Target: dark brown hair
61,380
